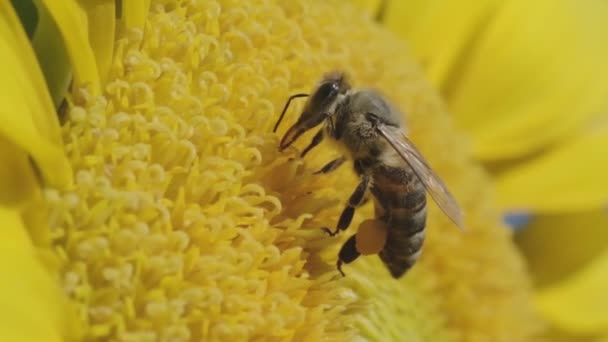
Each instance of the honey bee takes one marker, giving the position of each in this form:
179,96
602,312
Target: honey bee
370,132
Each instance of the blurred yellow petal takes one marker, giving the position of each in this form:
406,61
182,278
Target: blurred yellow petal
567,256
72,21
27,116
556,245
532,81
372,7
578,304
518,75
18,182
134,13
101,16
28,15
52,56
441,48
568,178
33,308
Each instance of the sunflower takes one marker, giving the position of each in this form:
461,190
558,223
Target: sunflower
145,198
528,81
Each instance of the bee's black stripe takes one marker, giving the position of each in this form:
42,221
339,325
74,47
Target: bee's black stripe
404,200
402,250
411,221
411,200
398,188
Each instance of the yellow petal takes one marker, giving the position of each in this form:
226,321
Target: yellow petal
54,61
134,13
72,22
555,246
564,253
518,75
569,178
32,305
27,117
440,48
18,183
372,7
536,76
28,15
101,16
577,304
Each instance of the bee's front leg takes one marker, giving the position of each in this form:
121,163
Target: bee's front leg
316,140
354,201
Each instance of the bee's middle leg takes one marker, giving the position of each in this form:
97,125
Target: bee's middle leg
331,166
354,201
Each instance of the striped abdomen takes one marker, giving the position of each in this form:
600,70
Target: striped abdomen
402,205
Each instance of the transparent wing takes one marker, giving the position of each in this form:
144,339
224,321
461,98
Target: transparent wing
433,184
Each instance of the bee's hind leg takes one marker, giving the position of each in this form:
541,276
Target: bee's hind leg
348,253
354,201
369,239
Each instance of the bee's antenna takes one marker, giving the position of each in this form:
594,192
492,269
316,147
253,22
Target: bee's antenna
285,109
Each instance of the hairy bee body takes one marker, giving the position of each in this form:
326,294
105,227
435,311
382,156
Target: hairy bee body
370,132
399,196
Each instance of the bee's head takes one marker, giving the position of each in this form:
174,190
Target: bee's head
320,105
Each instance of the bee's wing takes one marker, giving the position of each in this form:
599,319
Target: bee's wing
433,184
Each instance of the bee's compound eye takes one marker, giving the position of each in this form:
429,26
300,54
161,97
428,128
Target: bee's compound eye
371,236
326,90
